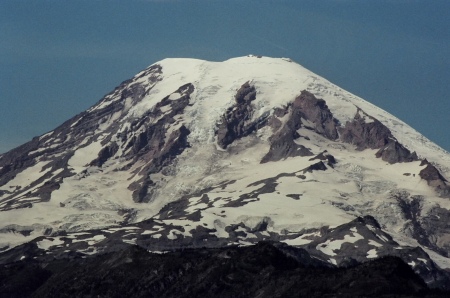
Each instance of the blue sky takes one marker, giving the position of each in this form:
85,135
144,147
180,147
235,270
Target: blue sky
57,58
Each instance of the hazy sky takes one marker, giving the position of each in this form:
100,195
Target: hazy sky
57,58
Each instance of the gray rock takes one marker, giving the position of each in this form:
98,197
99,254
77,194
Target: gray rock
237,120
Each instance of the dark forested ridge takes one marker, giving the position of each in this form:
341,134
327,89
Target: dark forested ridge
264,270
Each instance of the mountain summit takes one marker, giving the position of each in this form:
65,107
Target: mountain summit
191,153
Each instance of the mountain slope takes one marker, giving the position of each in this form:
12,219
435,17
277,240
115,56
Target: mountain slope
193,153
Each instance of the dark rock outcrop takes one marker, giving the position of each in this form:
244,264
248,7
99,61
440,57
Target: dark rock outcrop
14,161
411,207
154,146
394,152
431,174
366,132
319,166
435,179
325,156
429,228
435,223
315,110
105,154
307,107
236,122
283,145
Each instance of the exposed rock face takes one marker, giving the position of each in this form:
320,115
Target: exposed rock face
435,223
394,152
435,179
14,161
152,144
305,108
315,111
430,173
430,227
411,207
367,132
105,154
236,123
320,166
324,156
282,145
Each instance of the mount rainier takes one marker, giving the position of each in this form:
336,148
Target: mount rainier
196,154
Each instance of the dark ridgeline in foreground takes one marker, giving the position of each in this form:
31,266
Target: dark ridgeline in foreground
264,270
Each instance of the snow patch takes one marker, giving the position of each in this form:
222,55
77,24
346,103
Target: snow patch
371,254
330,246
45,244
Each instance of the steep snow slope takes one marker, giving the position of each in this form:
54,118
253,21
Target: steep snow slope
189,152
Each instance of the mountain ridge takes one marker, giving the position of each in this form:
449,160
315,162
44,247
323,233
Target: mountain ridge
266,269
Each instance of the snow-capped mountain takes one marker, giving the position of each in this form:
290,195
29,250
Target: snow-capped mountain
191,153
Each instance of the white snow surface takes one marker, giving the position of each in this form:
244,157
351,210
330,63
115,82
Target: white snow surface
329,246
